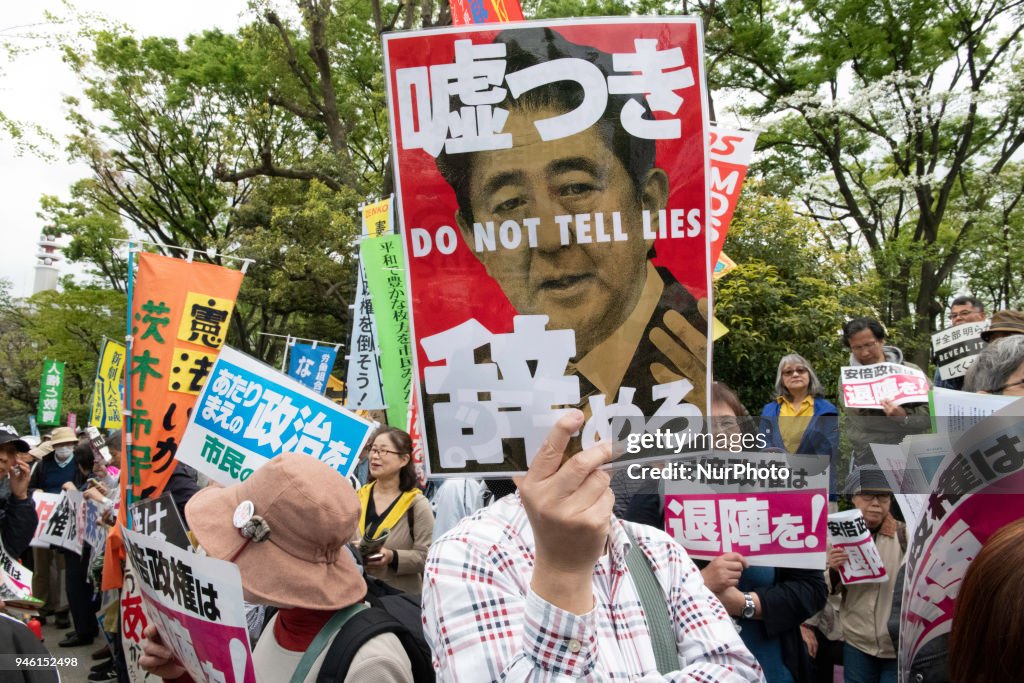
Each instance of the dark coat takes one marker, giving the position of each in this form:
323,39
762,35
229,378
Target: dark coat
17,640
18,521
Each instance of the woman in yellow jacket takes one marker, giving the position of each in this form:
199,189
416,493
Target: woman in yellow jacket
395,510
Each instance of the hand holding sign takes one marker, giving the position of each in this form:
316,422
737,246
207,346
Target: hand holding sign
569,507
159,659
723,572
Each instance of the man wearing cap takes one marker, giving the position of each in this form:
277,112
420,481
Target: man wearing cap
870,654
49,476
963,310
286,528
1004,324
17,514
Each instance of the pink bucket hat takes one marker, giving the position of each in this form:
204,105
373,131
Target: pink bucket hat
296,514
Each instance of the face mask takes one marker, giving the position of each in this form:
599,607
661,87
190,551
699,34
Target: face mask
63,455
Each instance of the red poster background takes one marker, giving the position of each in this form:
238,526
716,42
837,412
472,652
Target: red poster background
448,290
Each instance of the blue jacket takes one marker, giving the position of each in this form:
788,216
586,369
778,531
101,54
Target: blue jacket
820,438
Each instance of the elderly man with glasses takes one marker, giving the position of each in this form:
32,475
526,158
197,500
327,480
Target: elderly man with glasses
865,337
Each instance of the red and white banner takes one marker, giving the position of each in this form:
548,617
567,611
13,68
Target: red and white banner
866,386
552,188
848,531
730,152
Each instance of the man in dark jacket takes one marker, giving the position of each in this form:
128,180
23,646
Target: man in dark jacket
17,514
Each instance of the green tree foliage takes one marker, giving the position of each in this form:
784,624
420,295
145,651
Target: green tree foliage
891,121
790,293
68,326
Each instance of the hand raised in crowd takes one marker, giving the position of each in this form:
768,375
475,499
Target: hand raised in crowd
835,558
686,347
18,476
892,410
570,508
723,572
158,659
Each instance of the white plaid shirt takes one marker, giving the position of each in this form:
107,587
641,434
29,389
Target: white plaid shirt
485,623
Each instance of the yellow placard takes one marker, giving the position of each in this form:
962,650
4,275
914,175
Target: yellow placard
204,320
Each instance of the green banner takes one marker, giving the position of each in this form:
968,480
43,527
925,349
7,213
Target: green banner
384,261
51,393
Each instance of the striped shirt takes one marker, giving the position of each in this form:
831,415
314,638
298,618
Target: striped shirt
485,623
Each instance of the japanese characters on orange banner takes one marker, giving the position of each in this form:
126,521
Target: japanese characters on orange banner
180,316
552,192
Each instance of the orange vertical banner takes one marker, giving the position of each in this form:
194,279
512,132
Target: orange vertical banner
180,312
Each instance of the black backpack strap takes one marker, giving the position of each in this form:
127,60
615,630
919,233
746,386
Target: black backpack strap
358,631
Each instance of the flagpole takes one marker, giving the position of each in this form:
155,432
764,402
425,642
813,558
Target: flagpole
127,409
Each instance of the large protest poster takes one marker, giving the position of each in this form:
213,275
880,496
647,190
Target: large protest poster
180,316
180,311
51,393
106,395
133,624
771,508
46,504
311,364
383,260
955,349
730,151
249,412
977,489
866,386
848,532
196,604
550,268
363,378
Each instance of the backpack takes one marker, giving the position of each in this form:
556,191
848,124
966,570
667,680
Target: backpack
390,611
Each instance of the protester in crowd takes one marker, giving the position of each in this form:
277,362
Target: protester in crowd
76,577
800,420
869,655
1004,324
986,644
391,503
963,310
999,368
865,338
18,518
460,497
769,603
291,555
543,585
50,475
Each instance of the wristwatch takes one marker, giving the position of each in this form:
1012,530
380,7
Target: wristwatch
748,606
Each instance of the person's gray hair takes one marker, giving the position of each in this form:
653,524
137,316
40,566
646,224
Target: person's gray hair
996,362
814,387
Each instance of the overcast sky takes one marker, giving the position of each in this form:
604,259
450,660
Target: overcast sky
32,88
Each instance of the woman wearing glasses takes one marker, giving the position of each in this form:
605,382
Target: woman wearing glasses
397,523
800,420
999,368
